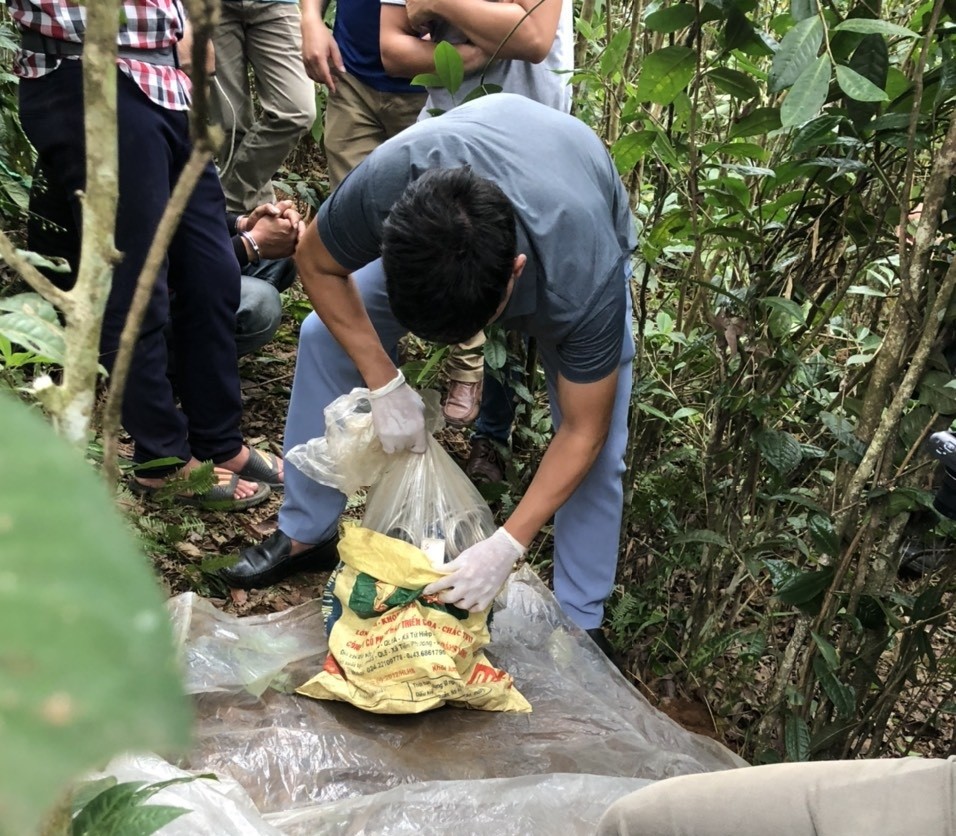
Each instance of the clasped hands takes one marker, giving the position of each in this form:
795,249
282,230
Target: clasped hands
276,228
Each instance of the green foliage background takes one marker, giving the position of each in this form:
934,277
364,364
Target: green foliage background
791,172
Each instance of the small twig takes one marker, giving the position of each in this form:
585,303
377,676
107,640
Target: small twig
33,277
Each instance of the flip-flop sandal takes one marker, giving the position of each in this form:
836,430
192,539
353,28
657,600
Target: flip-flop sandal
218,498
263,468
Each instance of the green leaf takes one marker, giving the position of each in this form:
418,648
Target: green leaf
482,90
935,393
804,587
808,94
123,815
671,20
796,736
827,650
702,535
449,66
613,57
427,80
841,695
785,306
100,808
797,51
865,26
802,9
630,148
32,322
665,73
857,87
761,120
871,59
824,535
779,449
56,265
88,664
817,132
735,83
496,353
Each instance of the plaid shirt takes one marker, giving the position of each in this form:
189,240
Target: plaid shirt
147,24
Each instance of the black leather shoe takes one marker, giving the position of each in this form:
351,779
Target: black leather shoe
272,560
597,635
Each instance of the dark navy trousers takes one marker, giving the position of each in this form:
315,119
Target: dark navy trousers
202,416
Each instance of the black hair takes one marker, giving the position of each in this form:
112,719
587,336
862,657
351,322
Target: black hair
448,250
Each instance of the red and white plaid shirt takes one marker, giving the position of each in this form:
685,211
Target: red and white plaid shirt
146,24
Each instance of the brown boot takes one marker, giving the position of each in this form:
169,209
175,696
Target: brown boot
462,403
485,463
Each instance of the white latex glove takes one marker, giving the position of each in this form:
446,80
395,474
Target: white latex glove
398,415
476,576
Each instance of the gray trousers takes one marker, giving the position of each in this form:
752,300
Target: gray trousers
892,797
587,527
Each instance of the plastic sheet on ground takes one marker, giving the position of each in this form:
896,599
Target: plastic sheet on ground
317,767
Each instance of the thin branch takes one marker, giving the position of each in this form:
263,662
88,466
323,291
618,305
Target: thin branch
33,277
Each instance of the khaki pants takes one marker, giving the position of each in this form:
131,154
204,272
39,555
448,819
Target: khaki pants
893,797
267,37
465,362
359,118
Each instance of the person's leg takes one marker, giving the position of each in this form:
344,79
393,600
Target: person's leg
286,99
204,276
492,433
323,371
820,798
587,528
353,126
278,272
230,98
259,315
52,116
465,368
399,110
53,230
309,516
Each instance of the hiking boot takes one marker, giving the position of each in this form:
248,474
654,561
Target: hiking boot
462,403
485,463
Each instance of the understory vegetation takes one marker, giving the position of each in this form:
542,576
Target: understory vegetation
791,168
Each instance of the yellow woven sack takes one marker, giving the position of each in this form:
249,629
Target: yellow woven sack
391,651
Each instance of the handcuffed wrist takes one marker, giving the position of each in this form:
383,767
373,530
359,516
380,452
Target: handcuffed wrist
388,388
252,243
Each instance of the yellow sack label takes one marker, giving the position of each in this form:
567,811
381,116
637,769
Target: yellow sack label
391,651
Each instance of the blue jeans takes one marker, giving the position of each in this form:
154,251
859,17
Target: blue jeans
260,305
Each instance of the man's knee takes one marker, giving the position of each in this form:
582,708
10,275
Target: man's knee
646,812
259,315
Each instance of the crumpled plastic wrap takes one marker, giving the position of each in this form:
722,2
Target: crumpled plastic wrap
326,767
216,807
550,805
350,456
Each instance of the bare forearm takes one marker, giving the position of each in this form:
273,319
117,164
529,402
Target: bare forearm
312,9
337,302
487,25
405,56
566,462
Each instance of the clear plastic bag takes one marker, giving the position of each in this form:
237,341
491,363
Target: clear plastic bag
428,501
422,498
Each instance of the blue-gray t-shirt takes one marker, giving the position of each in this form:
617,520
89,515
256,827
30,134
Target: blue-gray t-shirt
574,222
